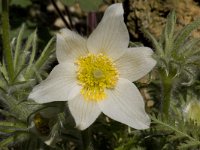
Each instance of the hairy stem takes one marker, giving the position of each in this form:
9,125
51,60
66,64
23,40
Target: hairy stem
6,39
167,83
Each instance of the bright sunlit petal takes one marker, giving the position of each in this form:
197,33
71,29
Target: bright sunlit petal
111,35
125,104
84,112
57,86
69,46
135,63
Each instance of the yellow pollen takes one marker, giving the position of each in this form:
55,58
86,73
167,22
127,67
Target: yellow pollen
94,74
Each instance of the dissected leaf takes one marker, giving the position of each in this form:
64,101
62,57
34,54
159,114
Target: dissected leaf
86,5
188,144
0,8
68,2
22,3
90,5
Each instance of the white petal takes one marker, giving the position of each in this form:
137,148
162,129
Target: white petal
69,46
125,104
84,112
74,92
111,35
135,63
57,85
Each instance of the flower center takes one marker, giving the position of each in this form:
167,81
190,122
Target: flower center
95,73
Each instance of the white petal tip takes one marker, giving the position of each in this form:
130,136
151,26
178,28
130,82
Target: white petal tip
117,7
145,124
34,97
81,126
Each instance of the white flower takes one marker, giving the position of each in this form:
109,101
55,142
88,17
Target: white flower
95,75
192,111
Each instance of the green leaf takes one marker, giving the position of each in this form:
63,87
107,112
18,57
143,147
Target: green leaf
7,141
22,3
49,48
90,5
25,52
3,81
10,127
32,56
0,6
7,113
135,44
156,44
185,32
21,110
169,31
86,5
14,139
3,70
68,2
171,127
44,58
170,25
188,144
18,45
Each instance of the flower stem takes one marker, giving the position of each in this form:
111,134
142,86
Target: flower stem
6,39
91,22
166,94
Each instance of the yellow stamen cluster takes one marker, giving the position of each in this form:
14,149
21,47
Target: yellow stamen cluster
95,73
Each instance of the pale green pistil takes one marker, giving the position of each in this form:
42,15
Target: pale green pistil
98,73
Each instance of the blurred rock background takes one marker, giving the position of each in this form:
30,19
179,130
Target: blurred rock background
150,14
